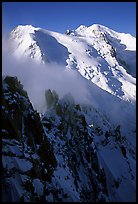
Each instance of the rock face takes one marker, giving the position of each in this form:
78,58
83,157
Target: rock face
72,153
78,172
27,156
29,159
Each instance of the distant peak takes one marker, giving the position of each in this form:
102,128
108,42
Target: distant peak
97,27
94,27
28,28
25,26
21,30
81,27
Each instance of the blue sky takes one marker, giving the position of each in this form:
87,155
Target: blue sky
60,16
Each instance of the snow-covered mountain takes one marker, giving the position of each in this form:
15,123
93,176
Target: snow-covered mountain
93,140
101,55
107,59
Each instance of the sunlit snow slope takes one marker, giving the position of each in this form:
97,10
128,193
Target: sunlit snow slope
103,56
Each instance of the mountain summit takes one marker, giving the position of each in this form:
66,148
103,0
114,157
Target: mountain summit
101,55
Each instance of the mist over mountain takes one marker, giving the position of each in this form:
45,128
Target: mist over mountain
83,85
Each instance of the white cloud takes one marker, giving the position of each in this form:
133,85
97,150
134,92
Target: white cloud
36,78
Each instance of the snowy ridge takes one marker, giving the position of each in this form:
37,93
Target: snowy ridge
126,39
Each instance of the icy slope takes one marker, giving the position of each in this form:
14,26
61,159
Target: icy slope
103,56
